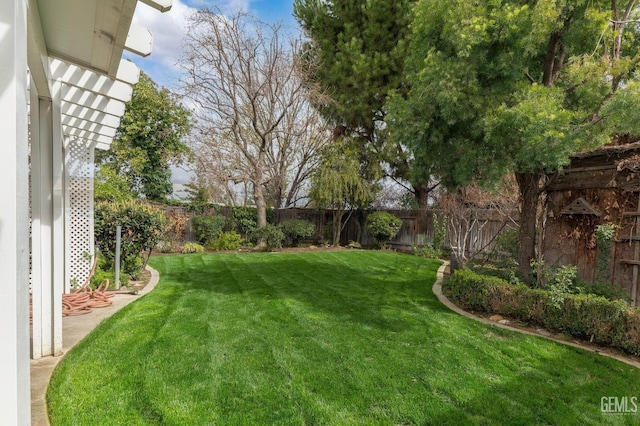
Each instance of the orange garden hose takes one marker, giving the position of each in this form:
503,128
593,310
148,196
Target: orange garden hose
84,299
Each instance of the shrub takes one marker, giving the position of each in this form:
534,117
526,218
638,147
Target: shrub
207,228
175,232
142,226
426,249
295,230
563,282
99,276
192,248
439,231
327,232
383,226
227,241
354,245
589,317
605,235
271,235
105,271
164,246
245,219
608,291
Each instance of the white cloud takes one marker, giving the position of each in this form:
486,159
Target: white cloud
233,6
168,29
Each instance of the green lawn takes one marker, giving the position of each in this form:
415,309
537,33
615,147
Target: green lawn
320,338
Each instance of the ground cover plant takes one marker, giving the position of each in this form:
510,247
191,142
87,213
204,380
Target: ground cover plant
321,337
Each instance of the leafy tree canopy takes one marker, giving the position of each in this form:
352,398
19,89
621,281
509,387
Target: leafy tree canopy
109,186
356,53
339,183
148,140
510,85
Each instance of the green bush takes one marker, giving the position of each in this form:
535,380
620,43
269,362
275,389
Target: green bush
227,241
271,235
296,230
608,291
585,316
244,219
99,276
207,228
563,282
426,249
383,226
105,271
192,248
142,226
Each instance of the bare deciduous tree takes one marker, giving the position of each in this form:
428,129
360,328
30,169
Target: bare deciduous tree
255,124
470,209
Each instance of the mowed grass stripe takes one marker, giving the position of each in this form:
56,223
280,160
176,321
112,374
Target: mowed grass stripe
336,338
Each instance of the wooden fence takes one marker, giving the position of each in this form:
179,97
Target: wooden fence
472,229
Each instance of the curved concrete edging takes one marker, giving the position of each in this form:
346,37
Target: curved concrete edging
437,290
74,329
153,281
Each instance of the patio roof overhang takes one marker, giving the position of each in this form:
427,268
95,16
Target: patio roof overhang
78,44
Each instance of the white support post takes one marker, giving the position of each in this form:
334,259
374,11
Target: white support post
58,225
44,322
36,226
14,216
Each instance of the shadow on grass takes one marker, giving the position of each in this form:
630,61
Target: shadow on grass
350,285
468,373
351,338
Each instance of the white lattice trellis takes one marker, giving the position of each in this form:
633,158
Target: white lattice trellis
79,208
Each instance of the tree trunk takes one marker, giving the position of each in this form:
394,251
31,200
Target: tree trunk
337,226
422,195
529,188
261,205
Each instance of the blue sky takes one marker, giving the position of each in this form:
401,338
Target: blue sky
168,29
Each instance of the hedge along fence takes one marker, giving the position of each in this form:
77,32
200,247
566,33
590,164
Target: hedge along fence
418,226
589,317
